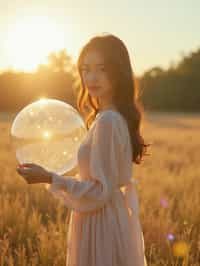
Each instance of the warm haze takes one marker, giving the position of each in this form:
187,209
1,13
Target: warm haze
155,33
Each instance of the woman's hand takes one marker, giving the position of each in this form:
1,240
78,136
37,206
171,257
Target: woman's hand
34,173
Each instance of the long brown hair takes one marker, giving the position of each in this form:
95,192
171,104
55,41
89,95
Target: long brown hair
119,71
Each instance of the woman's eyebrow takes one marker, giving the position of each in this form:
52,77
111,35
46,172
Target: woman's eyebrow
100,64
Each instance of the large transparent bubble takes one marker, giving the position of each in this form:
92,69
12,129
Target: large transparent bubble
48,132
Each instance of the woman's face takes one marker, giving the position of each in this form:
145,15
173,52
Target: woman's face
95,77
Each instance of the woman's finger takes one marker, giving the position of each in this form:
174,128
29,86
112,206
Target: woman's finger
18,170
23,171
28,164
24,174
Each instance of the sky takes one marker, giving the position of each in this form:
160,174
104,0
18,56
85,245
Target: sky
156,32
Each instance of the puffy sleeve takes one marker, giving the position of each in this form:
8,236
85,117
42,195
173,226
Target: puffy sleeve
92,193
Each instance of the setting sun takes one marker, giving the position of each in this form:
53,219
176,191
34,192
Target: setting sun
31,40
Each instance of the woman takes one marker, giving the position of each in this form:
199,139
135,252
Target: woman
104,226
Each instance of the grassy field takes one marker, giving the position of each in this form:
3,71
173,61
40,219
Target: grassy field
33,223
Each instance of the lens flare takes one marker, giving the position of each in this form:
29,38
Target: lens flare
180,248
164,202
170,237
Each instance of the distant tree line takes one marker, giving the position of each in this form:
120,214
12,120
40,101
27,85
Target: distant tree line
174,89
58,79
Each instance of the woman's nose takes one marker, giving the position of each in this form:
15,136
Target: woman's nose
92,77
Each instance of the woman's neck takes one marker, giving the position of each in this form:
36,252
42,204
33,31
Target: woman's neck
106,105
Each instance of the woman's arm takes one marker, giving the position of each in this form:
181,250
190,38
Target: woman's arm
104,164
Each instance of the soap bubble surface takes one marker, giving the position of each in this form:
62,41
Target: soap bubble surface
48,132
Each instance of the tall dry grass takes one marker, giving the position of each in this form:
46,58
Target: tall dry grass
33,223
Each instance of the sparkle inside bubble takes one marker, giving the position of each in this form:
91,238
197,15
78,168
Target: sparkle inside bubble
46,134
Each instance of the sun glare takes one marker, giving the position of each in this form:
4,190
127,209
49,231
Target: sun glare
31,40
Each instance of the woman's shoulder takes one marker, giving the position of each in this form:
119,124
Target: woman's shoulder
111,120
112,123
110,116
108,122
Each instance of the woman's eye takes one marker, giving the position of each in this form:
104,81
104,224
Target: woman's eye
87,70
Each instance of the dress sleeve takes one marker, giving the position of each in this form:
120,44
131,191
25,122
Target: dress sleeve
92,193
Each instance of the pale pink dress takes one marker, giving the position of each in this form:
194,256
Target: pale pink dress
104,227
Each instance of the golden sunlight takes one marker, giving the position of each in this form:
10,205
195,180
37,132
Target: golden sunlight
31,40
